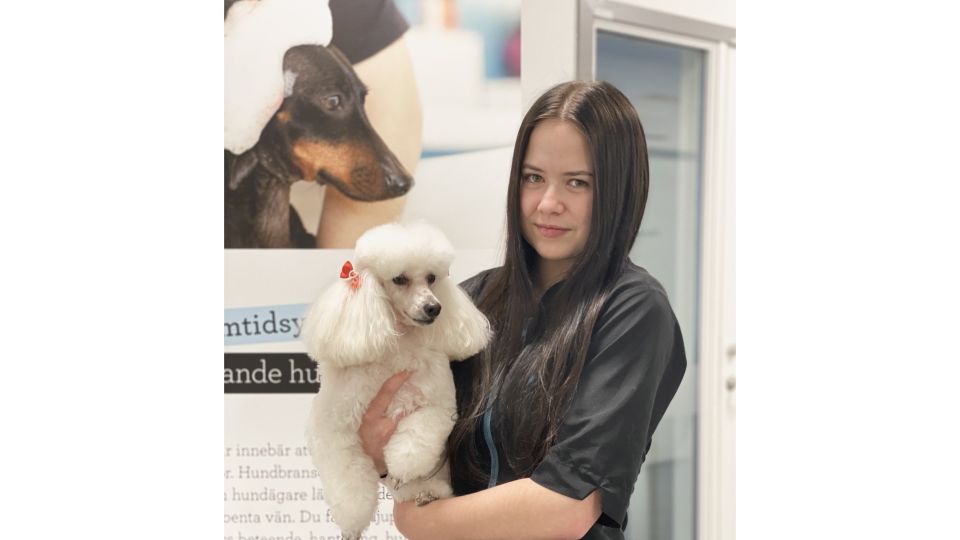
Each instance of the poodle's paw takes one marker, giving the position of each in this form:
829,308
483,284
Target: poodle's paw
352,533
423,490
425,498
408,460
396,483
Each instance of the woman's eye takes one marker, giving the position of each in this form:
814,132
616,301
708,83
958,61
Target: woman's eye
431,278
400,280
533,178
578,183
331,103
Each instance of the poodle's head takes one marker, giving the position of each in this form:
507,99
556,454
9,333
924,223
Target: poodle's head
407,261
402,284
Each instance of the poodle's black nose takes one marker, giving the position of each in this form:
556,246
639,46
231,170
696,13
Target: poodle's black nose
432,310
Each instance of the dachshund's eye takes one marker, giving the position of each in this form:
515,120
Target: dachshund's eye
431,278
332,103
400,280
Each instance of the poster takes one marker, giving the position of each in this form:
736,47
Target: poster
457,182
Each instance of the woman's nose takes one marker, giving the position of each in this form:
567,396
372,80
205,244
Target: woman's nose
551,202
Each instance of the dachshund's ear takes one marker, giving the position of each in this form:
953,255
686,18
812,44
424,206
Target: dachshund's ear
461,330
237,168
350,326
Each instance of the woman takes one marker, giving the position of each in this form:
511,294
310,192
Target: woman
556,416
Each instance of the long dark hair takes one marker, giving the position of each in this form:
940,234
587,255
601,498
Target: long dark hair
541,377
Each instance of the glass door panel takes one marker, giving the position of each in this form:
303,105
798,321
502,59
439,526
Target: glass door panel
665,82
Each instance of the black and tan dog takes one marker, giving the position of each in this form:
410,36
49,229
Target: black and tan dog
320,133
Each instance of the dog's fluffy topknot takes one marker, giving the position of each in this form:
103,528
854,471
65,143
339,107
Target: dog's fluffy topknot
386,250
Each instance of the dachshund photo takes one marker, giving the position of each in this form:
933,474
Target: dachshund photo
320,133
395,308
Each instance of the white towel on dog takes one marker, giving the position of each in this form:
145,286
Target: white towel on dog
256,35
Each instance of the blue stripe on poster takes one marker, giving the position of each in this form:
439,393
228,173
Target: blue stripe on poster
263,324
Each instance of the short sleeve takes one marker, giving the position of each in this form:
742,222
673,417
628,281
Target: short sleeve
473,286
634,365
362,28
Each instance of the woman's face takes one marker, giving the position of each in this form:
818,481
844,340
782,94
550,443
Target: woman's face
556,192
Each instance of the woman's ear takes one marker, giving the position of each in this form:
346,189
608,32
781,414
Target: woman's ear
350,326
461,330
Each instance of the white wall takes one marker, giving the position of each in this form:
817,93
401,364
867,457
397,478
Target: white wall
548,54
722,12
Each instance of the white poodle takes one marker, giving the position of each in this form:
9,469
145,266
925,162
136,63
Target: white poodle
395,309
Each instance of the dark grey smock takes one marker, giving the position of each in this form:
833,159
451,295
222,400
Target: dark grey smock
634,366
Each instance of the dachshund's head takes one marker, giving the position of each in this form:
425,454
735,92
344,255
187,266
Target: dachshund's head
402,286
321,132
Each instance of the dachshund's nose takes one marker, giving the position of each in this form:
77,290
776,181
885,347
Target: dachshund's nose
397,183
432,310
395,178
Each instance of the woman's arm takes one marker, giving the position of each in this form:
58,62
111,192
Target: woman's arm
521,508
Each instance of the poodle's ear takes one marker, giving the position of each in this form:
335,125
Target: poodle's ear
460,331
349,327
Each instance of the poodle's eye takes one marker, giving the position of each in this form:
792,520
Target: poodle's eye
431,278
400,280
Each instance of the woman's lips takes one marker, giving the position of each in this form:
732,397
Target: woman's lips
550,232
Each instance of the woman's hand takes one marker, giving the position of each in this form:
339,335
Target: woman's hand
377,427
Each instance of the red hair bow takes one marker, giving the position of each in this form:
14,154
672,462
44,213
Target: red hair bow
347,272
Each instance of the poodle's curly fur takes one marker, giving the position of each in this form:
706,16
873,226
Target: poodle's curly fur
406,314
